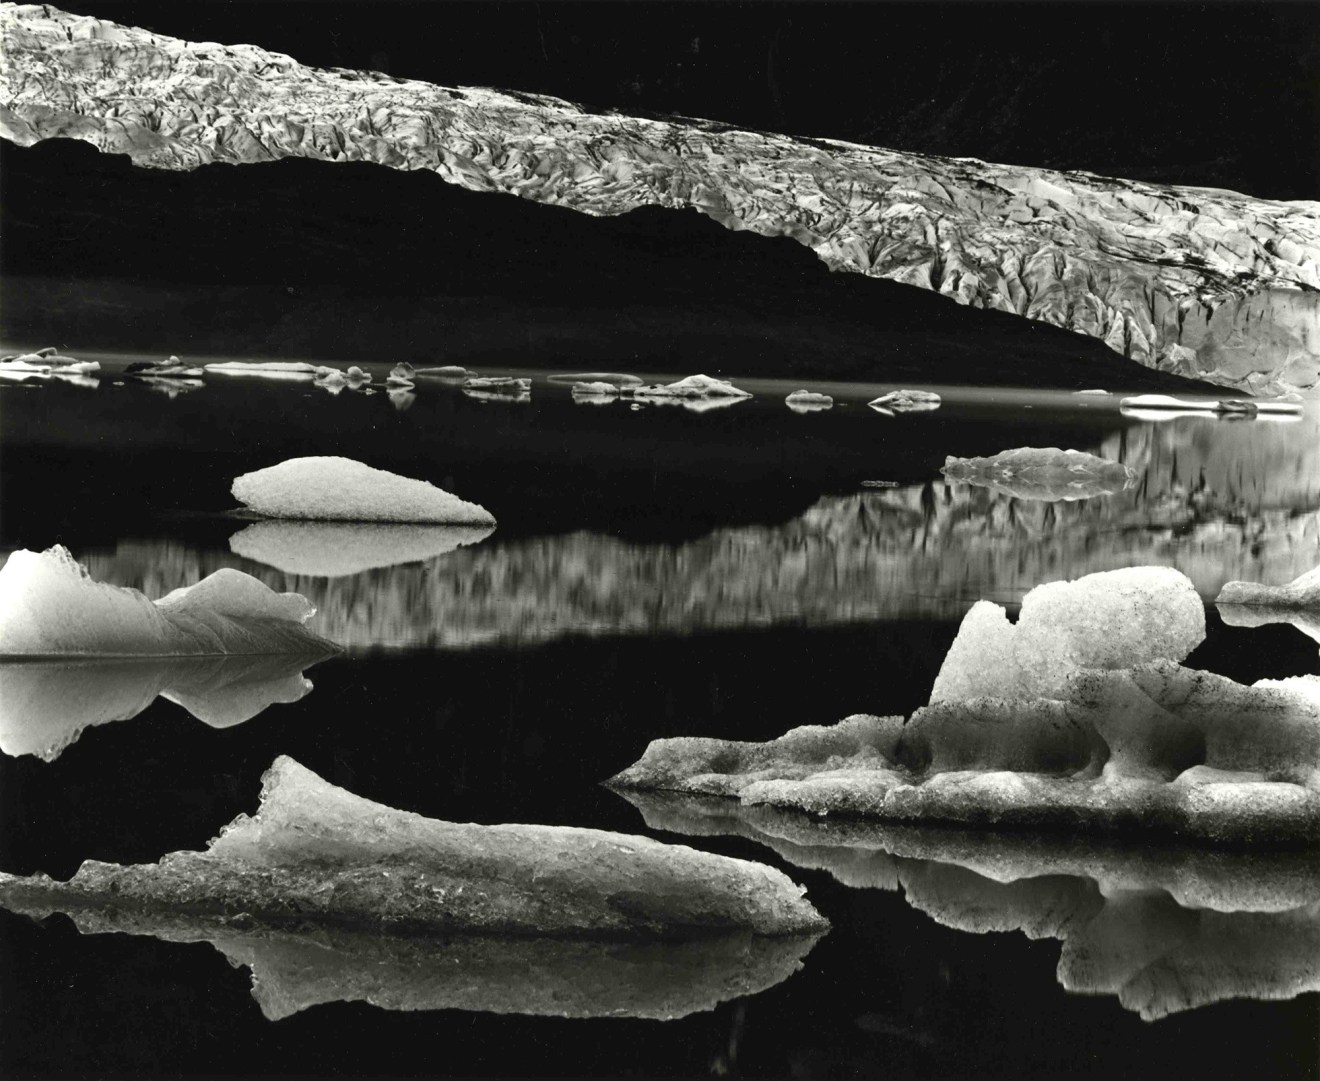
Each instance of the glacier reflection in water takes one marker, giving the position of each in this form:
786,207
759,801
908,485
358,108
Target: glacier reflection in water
46,705
1216,500
1162,929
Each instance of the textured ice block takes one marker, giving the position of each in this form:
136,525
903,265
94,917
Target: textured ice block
49,606
1157,748
694,386
1044,473
1164,927
46,705
337,549
315,853
340,489
808,401
1301,592
906,401
1114,619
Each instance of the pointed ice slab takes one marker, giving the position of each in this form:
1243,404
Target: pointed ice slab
1043,473
1114,619
49,606
338,549
1301,592
316,854
340,489
47,705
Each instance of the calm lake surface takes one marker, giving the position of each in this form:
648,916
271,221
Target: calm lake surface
655,572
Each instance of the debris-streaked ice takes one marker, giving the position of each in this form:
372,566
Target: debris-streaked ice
316,855
49,606
341,489
1045,473
336,549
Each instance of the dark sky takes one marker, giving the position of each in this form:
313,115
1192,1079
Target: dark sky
1220,94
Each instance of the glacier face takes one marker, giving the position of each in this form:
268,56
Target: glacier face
1205,283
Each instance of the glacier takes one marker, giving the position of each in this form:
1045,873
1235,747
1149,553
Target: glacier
50,606
317,855
1206,283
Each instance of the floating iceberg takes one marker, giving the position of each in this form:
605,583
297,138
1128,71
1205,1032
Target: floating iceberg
1154,406
598,393
316,855
807,401
1045,473
1164,928
693,387
1059,721
1114,619
906,401
506,383
614,379
265,369
340,489
401,375
337,549
173,368
1093,391
1167,402
1301,592
47,705
46,362
50,607
446,371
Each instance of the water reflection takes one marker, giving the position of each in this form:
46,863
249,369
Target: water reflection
1255,615
293,970
338,549
47,705
1162,929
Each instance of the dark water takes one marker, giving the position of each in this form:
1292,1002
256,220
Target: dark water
655,573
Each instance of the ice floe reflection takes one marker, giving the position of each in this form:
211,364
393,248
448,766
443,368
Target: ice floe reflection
47,705
1163,929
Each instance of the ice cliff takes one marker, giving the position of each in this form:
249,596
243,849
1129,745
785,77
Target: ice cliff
1206,283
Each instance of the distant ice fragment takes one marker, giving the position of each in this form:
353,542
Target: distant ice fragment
807,401
692,387
1301,592
46,705
1044,473
266,369
906,401
337,549
507,383
614,379
340,489
1114,619
50,607
446,371
173,368
596,393
316,855
401,375
1092,391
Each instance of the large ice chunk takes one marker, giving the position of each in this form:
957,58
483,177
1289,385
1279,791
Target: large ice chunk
1044,473
694,386
316,854
46,705
340,489
49,606
1301,592
338,549
1114,619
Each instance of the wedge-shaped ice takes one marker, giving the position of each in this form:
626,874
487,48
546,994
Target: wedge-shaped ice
1156,748
49,606
47,705
1114,619
906,401
316,854
294,968
1043,473
340,489
694,386
338,549
1164,928
1301,592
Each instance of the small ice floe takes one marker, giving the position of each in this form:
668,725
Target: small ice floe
338,549
401,375
597,393
1301,592
807,401
906,401
497,388
879,484
288,370
1165,406
334,380
1079,715
48,364
1093,391
340,489
173,368
614,379
49,606
47,704
446,371
315,856
693,388
1043,473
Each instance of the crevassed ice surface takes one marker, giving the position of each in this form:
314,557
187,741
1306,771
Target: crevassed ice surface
339,488
316,852
49,605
